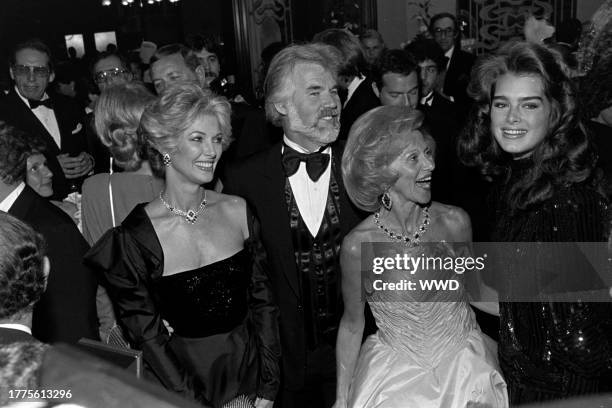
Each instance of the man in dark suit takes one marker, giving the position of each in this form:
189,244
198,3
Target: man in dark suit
443,27
67,310
23,273
355,87
296,190
57,120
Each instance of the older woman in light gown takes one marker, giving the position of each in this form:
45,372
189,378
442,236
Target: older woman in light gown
429,350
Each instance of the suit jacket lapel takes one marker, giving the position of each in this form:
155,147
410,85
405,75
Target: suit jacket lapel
348,216
276,217
21,207
24,114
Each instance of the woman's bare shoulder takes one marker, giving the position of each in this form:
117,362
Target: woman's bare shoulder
453,219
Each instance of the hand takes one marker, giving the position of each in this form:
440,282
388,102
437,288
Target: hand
340,403
75,167
263,403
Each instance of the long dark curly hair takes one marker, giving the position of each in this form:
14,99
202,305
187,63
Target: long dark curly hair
564,156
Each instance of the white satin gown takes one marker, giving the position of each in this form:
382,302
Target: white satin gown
428,352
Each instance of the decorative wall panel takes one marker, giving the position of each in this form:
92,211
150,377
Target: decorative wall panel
489,23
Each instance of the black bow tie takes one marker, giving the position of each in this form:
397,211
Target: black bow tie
316,162
35,104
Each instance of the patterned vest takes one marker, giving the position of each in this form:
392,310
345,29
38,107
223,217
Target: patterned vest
318,264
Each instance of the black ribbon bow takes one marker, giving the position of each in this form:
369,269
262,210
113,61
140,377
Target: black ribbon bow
35,104
316,162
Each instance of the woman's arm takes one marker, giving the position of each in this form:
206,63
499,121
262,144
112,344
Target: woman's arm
353,321
265,317
118,257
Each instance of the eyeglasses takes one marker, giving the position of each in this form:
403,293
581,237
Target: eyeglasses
430,69
109,75
444,31
25,70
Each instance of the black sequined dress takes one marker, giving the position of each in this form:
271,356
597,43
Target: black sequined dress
225,342
552,350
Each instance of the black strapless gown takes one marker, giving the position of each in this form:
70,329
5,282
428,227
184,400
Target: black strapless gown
225,342
213,336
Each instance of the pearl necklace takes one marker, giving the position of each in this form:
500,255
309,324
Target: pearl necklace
408,241
190,216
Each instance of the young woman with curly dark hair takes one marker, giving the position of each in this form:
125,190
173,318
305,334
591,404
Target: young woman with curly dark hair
526,137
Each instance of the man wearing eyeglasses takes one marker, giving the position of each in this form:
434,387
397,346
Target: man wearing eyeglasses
443,28
56,119
108,68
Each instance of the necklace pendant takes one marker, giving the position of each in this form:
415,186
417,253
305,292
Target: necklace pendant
191,216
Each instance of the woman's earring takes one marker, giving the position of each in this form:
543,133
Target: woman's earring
166,159
386,202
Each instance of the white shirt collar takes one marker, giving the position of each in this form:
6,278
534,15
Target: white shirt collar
16,326
427,100
10,199
353,86
25,100
449,55
299,148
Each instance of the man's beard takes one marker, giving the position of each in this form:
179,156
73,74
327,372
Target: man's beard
320,130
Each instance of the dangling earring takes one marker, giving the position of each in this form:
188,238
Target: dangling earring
385,200
166,159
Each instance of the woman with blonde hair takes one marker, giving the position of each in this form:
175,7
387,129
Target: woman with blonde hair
192,257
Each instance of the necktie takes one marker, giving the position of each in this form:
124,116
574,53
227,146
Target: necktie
316,162
35,104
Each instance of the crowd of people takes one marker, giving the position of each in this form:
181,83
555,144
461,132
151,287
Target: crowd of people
226,240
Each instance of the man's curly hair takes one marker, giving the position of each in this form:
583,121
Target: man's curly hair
22,276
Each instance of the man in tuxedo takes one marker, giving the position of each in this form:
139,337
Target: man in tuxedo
57,119
355,87
443,27
23,273
296,190
107,69
67,310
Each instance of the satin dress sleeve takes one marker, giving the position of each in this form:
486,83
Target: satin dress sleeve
265,314
121,260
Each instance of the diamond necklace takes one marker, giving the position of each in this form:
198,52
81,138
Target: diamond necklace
408,241
191,216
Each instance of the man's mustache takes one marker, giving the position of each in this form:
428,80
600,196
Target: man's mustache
328,112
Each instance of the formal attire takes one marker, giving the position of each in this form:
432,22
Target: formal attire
428,351
10,333
601,137
551,350
66,311
441,119
127,190
457,78
225,340
303,223
60,126
359,100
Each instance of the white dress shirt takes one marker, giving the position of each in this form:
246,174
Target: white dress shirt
427,100
352,87
16,326
310,196
47,117
10,199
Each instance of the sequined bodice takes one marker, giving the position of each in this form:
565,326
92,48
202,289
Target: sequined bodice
428,326
208,300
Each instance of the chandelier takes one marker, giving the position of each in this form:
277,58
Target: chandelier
136,2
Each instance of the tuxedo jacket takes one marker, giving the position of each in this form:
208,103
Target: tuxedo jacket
66,311
261,181
458,77
441,119
12,335
70,120
362,100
